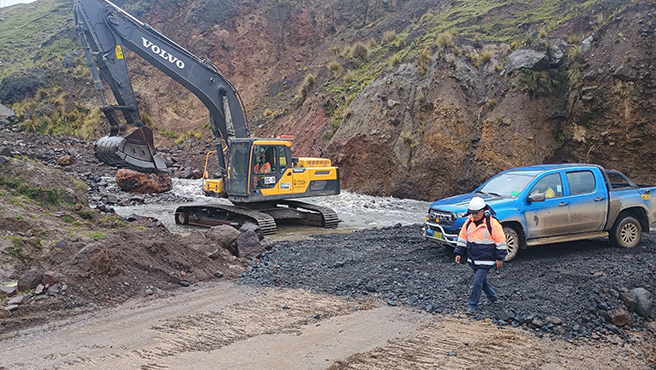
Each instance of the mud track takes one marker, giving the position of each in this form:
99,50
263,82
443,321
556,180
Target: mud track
232,326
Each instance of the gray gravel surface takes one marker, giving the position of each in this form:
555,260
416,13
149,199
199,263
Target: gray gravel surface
559,290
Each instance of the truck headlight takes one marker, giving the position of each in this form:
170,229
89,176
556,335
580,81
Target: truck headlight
460,214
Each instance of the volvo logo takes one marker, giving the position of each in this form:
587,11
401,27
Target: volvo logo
163,53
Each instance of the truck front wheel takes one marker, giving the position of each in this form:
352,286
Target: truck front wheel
512,242
626,233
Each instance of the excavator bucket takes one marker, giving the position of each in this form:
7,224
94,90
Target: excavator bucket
135,151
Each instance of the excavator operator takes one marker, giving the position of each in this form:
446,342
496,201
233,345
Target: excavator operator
262,166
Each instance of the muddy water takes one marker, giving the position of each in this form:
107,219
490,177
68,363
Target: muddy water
355,211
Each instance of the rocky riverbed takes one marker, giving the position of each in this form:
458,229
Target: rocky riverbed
570,290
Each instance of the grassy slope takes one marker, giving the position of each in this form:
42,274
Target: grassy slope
26,31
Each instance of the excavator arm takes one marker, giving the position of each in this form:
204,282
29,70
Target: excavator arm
104,29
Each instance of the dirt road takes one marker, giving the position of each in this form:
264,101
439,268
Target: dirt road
232,326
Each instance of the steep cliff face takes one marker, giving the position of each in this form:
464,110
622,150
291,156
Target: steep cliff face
611,117
422,112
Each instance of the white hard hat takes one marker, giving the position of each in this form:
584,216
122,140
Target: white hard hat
476,204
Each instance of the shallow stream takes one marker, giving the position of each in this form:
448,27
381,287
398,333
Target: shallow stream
355,211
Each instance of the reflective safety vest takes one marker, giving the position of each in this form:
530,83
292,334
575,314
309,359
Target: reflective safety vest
266,168
484,243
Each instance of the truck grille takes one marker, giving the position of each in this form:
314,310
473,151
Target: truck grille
442,217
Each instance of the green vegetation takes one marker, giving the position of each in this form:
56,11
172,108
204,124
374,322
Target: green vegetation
306,86
54,118
16,248
35,38
536,83
95,235
424,61
335,68
169,134
86,214
388,37
181,139
359,50
35,193
445,40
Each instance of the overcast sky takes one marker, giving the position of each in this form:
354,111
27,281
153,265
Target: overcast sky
4,3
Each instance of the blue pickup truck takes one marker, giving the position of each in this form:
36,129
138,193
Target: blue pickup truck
553,203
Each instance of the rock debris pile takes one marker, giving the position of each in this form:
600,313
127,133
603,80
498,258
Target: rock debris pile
571,290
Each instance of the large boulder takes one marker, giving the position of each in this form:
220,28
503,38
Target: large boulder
248,245
95,258
20,86
50,278
630,300
223,235
645,302
143,183
6,112
249,226
619,316
530,59
69,59
29,280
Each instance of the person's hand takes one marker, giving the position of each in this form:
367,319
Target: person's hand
499,263
458,259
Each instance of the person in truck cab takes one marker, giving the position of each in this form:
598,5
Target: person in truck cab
484,241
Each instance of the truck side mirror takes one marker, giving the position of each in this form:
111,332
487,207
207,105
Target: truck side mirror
537,197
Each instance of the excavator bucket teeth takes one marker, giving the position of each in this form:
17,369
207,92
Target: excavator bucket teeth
135,151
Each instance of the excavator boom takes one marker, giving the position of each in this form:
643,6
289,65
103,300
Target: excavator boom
104,29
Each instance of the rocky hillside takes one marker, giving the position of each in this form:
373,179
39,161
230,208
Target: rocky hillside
410,98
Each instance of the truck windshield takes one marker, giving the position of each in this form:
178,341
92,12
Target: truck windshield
506,185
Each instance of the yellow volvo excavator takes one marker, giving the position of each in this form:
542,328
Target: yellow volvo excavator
260,177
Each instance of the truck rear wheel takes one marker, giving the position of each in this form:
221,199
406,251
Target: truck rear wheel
512,242
626,233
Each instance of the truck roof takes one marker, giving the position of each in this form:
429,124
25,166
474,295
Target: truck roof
534,170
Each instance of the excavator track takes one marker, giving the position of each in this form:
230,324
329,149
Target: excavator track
264,216
209,216
329,218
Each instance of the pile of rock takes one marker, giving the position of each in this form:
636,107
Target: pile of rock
33,285
638,300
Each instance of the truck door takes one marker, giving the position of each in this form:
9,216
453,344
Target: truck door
588,202
550,217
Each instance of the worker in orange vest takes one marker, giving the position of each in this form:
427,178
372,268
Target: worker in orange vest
484,241
262,166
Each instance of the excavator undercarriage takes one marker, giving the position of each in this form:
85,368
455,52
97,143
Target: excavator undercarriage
265,215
